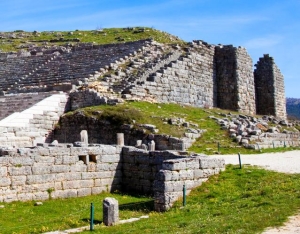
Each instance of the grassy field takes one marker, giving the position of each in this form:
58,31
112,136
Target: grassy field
97,36
237,201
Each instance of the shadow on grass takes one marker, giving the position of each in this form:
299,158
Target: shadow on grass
95,221
147,205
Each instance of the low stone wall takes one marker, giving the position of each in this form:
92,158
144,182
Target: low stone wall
65,171
274,140
58,172
175,173
140,168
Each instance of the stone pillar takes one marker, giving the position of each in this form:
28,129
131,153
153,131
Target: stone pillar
84,137
120,139
110,211
152,146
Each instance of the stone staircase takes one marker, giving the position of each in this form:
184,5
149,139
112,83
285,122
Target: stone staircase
17,103
33,125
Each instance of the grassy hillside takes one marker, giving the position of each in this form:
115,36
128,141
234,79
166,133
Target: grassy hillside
161,115
17,40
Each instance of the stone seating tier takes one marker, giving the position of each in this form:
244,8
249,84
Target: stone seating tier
17,103
79,64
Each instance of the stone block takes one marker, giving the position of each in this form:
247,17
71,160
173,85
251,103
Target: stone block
40,179
109,150
84,192
41,169
59,169
44,159
19,170
10,197
110,158
18,180
25,196
108,166
98,190
40,196
110,211
86,183
186,174
174,164
198,173
173,186
4,181
68,193
3,171
206,162
165,175
67,160
24,161
71,184
68,176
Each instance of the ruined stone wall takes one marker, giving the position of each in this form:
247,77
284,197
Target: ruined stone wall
58,172
175,173
163,173
235,81
85,98
269,88
104,132
198,74
280,100
140,168
189,80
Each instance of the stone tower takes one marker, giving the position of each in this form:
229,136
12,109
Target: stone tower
269,88
235,80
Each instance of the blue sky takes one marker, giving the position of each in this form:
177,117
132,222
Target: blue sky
262,26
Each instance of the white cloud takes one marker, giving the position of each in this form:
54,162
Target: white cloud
263,42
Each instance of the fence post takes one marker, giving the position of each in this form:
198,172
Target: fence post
92,217
240,161
184,195
218,146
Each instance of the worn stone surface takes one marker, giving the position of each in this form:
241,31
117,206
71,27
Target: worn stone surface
110,211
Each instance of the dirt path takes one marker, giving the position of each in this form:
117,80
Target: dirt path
288,162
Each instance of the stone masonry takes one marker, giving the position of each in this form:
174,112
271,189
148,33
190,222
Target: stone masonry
269,88
198,74
63,171
235,79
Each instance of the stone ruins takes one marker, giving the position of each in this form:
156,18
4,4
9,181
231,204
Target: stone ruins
39,85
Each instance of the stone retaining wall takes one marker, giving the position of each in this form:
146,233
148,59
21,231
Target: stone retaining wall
64,171
175,173
58,172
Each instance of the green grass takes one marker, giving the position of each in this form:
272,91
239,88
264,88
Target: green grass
105,36
61,214
244,200
158,114
236,201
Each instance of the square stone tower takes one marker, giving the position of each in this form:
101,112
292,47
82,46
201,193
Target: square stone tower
235,80
269,88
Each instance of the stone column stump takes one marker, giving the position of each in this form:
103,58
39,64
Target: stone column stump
120,139
110,211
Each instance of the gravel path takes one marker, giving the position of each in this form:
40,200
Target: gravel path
287,162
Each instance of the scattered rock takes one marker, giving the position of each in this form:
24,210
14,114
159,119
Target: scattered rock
38,203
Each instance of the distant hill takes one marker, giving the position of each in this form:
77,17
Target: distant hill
293,107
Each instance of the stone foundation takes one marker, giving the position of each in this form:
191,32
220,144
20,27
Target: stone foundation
64,171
